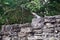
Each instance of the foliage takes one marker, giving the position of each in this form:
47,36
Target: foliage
34,5
49,7
19,11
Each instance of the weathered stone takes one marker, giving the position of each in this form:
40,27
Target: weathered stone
51,38
38,37
49,25
57,16
6,38
38,31
50,30
26,29
50,19
25,25
15,38
31,38
47,28
22,34
57,28
58,25
58,20
23,38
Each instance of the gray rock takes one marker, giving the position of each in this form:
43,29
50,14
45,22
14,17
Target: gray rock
49,25
38,31
47,28
57,28
50,30
26,29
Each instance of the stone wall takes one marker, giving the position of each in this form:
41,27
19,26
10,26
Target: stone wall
47,28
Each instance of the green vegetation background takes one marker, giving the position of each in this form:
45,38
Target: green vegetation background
19,11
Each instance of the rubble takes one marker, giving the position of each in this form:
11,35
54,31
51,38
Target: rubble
42,28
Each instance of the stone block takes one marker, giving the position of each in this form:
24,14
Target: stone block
21,34
49,25
26,29
57,28
31,38
38,31
48,30
6,38
58,20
